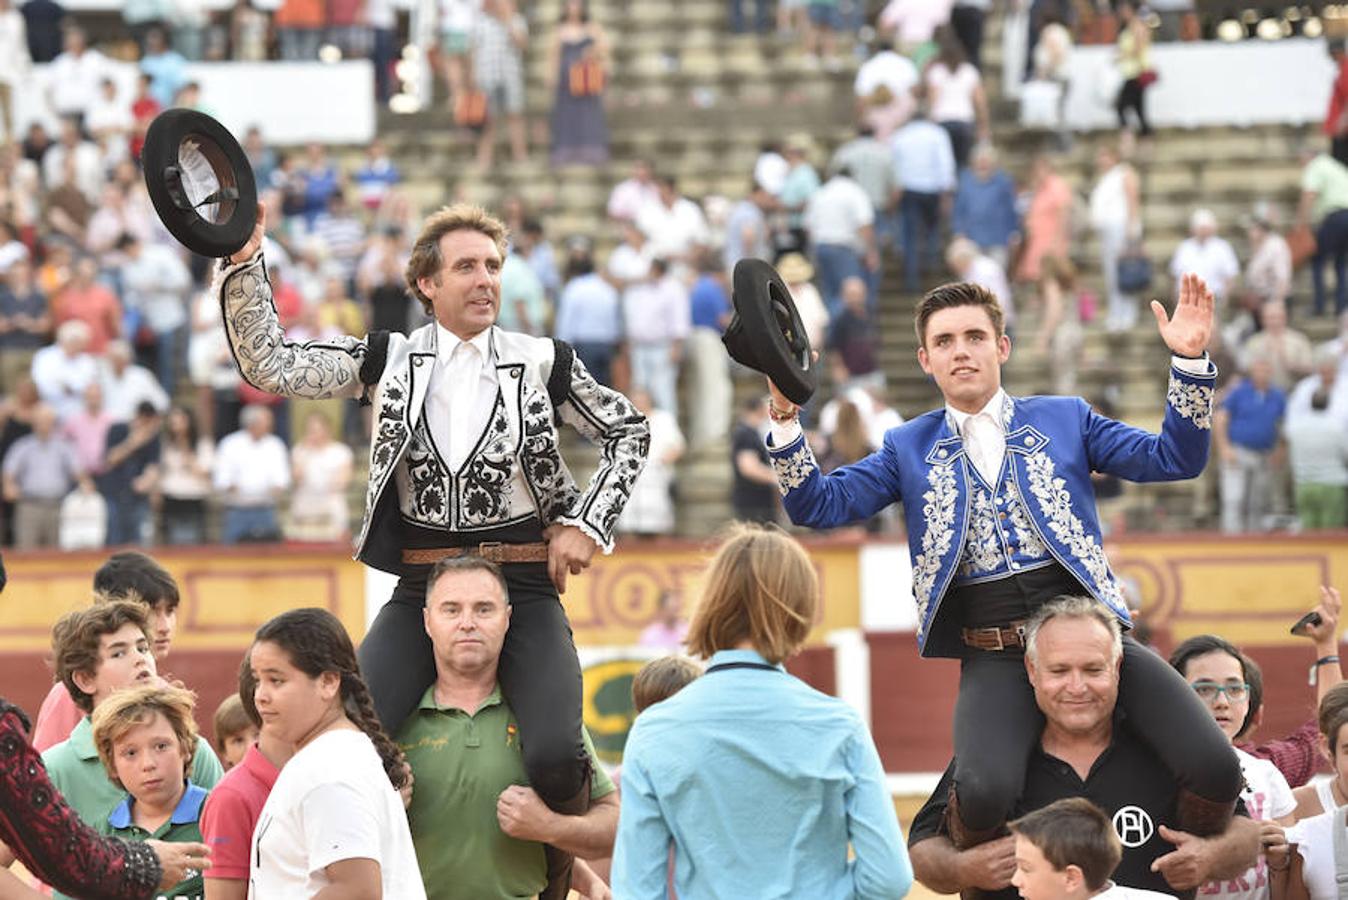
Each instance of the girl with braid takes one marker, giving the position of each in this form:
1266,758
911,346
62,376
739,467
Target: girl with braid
334,818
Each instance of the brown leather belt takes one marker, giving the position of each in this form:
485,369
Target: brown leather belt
493,551
996,637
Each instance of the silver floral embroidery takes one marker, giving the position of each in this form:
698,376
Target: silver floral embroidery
1056,504
982,548
938,511
794,469
1026,536
1191,401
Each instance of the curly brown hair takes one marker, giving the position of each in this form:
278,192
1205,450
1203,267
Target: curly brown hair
75,640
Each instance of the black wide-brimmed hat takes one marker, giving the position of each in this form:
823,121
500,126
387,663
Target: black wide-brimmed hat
766,333
200,182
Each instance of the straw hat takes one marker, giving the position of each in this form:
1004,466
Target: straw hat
795,268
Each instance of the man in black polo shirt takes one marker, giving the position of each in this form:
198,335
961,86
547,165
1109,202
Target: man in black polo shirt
1087,750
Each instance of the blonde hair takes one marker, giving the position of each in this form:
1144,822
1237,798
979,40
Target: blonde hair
128,709
661,679
426,260
761,587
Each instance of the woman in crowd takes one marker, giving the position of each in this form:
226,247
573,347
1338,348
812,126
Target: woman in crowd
650,509
321,468
185,479
578,65
702,767
1048,221
1133,58
1060,335
955,92
46,835
334,816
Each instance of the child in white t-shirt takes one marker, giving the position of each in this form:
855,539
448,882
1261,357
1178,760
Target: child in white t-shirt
1067,851
1219,674
334,816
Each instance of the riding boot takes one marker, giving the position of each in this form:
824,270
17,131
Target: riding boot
559,861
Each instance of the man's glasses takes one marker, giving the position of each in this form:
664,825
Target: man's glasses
1209,690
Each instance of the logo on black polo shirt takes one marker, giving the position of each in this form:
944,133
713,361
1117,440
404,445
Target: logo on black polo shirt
1133,826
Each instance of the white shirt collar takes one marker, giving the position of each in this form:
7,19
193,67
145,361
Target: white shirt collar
993,410
447,341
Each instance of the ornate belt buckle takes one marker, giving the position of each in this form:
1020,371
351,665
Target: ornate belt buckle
490,550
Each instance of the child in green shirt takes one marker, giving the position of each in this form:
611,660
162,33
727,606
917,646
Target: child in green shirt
146,738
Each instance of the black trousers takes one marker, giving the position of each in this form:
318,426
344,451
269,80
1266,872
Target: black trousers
538,671
1133,96
967,23
998,724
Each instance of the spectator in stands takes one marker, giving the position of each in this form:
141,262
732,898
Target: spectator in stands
11,248
968,263
248,27
924,165
1324,207
379,280
799,185
731,738
589,313
251,473
762,17
146,738
39,470
1287,350
1116,218
299,29
185,462
1048,220
108,121
68,209
342,233
848,437
15,63
344,28
884,90
770,168
126,385
500,36
524,304
457,21
71,147
966,21
88,301
1206,254
821,35
797,272
130,474
747,232
650,508
144,109
115,216
1317,445
504,821
871,163
87,430
1247,431
98,651
753,492
376,177
62,370
985,206
25,323
656,321
537,251
913,23
1327,379
1268,273
321,469
1336,116
317,180
1133,58
578,67
155,283
840,221
1220,674
707,362
1060,332
674,225
74,75
633,193
854,338
630,262
166,67
662,678
42,22
232,809
956,96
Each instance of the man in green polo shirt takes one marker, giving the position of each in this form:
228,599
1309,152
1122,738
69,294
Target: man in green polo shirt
479,830
97,651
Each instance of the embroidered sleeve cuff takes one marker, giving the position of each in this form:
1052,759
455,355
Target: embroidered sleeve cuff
605,542
783,434
1201,367
794,464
